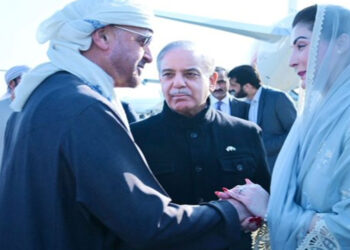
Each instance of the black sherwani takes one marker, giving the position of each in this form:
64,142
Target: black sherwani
193,157
73,179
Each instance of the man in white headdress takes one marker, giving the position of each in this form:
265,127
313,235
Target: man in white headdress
74,178
12,79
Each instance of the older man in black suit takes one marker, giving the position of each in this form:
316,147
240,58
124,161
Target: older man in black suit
220,98
192,148
271,109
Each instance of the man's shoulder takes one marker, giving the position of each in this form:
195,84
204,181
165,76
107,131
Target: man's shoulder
68,88
62,95
224,120
276,95
67,83
273,91
233,99
148,124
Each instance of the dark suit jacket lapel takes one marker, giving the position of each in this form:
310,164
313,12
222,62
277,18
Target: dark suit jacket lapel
232,106
261,105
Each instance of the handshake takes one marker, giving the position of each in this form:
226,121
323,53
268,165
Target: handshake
250,201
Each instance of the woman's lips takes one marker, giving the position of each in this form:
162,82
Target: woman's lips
302,74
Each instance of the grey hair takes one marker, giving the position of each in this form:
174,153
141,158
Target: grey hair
208,63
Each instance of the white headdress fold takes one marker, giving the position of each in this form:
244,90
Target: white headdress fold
69,32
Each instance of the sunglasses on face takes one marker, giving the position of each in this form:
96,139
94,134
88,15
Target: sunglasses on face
143,39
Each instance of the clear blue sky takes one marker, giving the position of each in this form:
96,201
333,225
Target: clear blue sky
20,18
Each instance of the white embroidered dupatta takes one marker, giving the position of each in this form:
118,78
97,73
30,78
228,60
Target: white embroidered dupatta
312,172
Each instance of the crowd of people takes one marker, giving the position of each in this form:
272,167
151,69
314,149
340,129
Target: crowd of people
226,164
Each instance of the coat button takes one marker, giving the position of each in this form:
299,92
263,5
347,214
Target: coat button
193,135
198,169
239,167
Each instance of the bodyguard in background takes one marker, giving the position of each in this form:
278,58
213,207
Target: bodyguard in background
272,109
221,99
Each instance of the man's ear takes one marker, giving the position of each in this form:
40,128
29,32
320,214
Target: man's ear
213,79
101,38
247,87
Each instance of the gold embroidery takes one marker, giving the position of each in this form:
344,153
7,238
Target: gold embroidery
261,238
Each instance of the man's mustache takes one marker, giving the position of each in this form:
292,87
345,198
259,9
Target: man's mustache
175,92
218,90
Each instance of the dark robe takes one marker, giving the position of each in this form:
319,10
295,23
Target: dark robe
73,178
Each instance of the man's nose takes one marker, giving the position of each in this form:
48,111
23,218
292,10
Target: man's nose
148,55
217,86
179,81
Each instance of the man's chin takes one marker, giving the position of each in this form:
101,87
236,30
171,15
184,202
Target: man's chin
133,82
219,97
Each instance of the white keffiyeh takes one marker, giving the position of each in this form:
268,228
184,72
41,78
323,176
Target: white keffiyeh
69,32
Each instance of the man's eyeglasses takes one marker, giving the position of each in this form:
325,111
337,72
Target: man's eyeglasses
143,40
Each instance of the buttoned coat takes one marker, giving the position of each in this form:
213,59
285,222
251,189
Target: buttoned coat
194,157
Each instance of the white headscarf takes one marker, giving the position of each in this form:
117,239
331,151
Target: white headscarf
15,72
315,142
69,32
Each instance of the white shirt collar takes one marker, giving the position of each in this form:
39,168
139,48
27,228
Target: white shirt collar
257,95
214,100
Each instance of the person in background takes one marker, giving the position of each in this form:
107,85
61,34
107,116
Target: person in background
271,109
192,148
220,98
12,78
73,178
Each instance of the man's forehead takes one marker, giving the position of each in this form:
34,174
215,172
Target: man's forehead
222,74
182,58
233,80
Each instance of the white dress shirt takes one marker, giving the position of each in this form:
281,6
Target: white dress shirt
254,107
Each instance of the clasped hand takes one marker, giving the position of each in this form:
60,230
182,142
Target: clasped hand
250,201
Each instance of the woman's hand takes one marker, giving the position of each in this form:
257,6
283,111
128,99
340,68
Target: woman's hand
252,195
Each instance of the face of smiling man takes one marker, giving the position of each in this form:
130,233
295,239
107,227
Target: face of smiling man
221,88
123,52
185,82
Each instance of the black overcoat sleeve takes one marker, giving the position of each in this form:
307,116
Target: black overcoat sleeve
115,185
